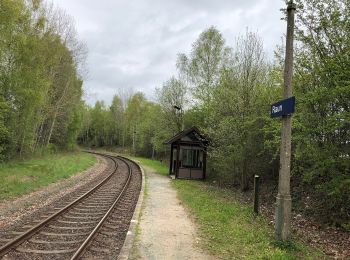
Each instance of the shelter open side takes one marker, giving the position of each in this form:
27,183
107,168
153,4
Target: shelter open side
188,154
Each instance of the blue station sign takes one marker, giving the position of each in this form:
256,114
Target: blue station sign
283,107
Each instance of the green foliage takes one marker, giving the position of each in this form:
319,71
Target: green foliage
231,89
171,95
73,130
238,114
234,94
204,64
39,82
321,125
133,124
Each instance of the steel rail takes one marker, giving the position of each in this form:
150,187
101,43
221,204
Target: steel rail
21,238
98,226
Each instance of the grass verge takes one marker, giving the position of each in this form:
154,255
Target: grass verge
22,177
158,166
229,230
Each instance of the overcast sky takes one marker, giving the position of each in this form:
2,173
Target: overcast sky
134,43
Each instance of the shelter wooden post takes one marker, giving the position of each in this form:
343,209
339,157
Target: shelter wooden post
177,160
171,159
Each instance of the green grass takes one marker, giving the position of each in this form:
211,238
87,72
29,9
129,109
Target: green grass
158,166
22,177
230,230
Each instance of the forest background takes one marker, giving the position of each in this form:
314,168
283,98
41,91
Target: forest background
226,91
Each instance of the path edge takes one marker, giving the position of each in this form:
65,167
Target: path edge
131,234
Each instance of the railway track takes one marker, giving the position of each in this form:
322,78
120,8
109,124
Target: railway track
93,225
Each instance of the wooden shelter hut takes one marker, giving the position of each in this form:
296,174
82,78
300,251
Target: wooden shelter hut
188,154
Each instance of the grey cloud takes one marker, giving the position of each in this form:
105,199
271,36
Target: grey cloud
134,44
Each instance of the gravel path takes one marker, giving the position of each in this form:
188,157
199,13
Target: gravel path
15,210
166,230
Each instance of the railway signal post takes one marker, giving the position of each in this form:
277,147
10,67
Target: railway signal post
284,201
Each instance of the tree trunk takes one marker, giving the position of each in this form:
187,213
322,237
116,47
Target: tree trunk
51,129
37,137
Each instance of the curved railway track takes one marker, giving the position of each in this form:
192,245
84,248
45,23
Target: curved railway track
94,225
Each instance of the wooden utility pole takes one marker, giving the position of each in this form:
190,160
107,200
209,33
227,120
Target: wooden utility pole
284,201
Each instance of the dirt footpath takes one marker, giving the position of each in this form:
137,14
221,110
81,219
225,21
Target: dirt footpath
165,229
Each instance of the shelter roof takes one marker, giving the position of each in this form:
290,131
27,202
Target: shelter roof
192,133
